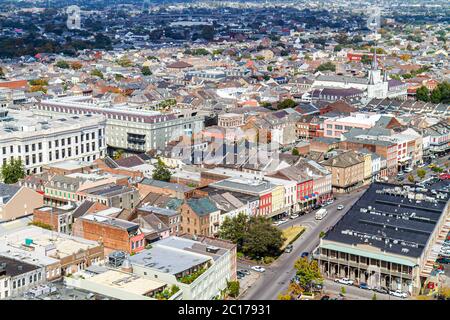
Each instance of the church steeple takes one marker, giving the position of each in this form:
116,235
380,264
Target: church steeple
374,60
385,76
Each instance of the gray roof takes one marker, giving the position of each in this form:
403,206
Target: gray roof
168,258
7,191
394,224
167,185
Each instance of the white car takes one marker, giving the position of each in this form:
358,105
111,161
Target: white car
398,293
294,216
408,170
258,269
284,220
340,207
344,281
400,174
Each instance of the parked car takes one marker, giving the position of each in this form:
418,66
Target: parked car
289,248
304,254
443,260
258,269
381,290
340,207
245,271
400,174
284,220
346,281
364,285
408,170
294,216
398,293
325,298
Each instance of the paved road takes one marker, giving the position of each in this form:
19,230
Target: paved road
332,289
278,275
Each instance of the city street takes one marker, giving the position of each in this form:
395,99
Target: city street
278,275
332,288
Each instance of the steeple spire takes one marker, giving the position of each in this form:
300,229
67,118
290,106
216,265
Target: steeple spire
375,61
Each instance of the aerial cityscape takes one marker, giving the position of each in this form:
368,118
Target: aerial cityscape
224,150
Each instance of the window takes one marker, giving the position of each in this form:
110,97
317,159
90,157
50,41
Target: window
40,145
49,144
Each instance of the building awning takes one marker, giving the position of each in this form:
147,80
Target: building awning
368,254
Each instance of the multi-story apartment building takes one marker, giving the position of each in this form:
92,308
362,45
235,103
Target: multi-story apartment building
73,253
347,170
200,216
39,141
127,128
114,234
112,195
207,263
16,277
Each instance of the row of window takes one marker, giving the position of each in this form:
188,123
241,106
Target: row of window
21,282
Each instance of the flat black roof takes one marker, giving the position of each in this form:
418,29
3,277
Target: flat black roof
16,267
392,218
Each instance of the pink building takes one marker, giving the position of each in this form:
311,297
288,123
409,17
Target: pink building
334,127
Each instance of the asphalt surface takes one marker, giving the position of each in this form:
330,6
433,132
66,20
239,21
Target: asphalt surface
333,289
278,275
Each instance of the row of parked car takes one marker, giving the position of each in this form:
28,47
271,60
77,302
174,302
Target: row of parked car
244,272
365,286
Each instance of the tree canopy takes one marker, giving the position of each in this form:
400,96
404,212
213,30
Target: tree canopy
161,172
286,103
327,66
254,236
146,71
13,171
307,272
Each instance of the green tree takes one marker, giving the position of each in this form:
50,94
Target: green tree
97,73
208,33
255,236
343,291
286,103
374,296
307,272
421,173
13,171
411,178
146,71
62,64
234,229
365,59
118,154
161,172
124,62
327,66
295,152
423,94
233,288
2,73
436,96
262,238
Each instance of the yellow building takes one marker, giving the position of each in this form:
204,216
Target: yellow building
367,168
277,200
